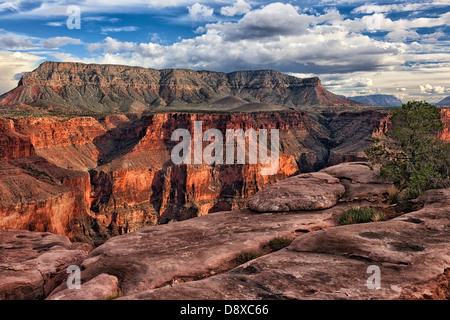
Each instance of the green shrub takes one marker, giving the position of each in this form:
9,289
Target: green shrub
360,215
411,153
279,243
246,256
37,173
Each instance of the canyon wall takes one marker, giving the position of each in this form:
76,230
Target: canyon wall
92,178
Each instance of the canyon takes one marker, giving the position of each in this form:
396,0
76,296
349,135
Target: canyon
110,173
91,179
87,178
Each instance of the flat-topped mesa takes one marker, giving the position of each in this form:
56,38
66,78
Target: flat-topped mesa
107,88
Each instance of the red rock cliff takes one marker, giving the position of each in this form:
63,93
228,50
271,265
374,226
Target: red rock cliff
446,119
90,178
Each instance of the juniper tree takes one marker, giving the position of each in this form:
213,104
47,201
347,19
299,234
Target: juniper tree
410,153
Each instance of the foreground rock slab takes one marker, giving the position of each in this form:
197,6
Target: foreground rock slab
194,249
309,191
32,264
411,252
102,287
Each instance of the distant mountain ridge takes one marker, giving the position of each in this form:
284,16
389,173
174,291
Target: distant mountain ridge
105,88
383,100
444,102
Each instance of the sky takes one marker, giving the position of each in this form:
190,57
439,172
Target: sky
356,47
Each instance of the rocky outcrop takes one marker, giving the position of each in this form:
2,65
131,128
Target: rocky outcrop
333,263
31,199
13,144
66,143
309,191
109,88
33,264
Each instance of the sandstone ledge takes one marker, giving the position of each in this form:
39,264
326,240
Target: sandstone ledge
33,264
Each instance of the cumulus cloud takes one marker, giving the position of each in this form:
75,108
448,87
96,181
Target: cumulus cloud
199,11
238,8
272,20
398,30
275,36
429,89
13,65
110,45
365,82
373,8
56,42
11,41
401,7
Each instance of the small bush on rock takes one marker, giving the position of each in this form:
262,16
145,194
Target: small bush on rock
246,256
279,243
360,215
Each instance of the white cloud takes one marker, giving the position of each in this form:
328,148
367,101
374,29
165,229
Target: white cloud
111,45
167,3
238,8
402,7
199,11
11,41
365,82
56,42
402,35
13,64
101,19
119,29
398,30
276,36
10,5
373,8
65,57
429,89
53,8
55,24
272,20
